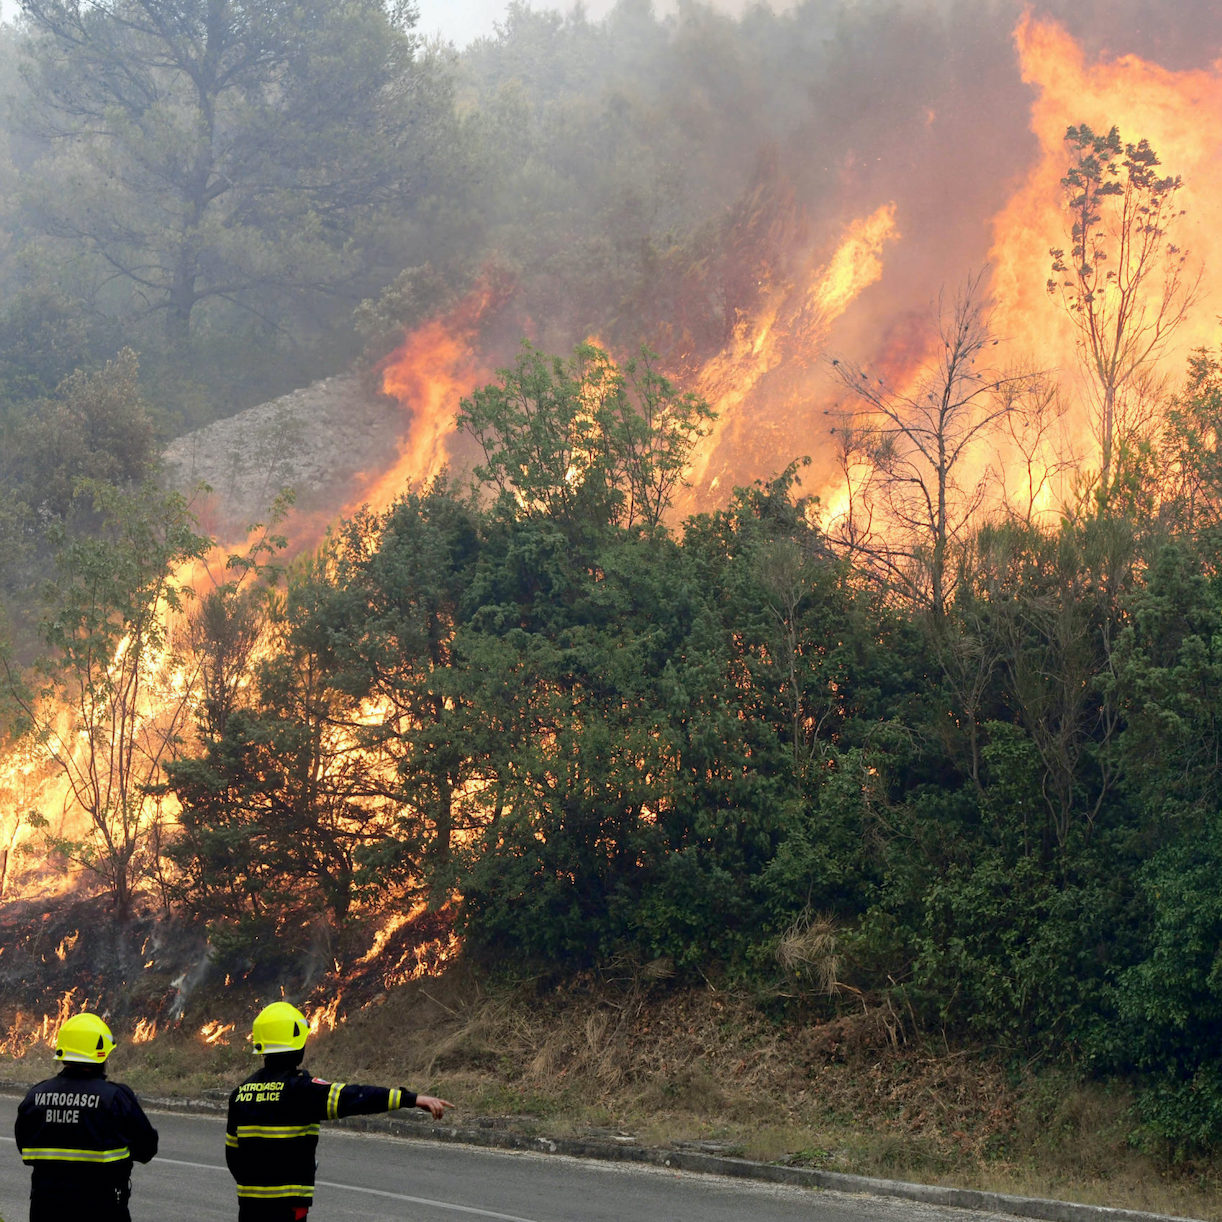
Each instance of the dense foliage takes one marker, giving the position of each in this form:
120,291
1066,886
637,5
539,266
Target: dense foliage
593,737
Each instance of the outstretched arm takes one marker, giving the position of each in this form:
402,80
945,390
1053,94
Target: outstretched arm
336,1099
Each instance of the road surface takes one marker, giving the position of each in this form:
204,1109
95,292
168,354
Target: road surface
372,1178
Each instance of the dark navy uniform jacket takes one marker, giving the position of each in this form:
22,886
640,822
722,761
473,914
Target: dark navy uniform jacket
272,1133
80,1134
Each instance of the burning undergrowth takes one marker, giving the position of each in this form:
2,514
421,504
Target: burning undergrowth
155,976
57,961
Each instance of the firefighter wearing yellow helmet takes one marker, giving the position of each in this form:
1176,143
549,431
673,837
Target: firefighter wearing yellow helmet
272,1132
80,1133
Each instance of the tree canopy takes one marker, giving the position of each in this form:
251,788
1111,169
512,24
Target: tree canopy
214,152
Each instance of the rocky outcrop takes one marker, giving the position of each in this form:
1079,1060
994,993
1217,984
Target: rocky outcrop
325,442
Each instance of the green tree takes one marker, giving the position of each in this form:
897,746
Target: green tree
113,693
755,702
1189,449
289,788
1168,1000
286,791
584,441
96,426
46,335
562,657
213,151
1168,675
413,566
1045,608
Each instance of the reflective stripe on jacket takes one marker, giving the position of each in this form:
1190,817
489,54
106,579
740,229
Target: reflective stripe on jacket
80,1133
271,1136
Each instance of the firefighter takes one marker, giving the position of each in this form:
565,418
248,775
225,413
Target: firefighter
272,1132
80,1132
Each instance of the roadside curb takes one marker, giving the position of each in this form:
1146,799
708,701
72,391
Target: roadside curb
715,1164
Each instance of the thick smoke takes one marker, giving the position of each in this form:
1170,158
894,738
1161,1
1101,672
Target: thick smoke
674,174
801,118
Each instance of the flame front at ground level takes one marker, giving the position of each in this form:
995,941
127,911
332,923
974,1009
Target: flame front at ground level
216,1032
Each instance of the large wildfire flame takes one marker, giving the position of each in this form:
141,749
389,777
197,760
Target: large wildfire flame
791,328
428,374
1180,113
769,384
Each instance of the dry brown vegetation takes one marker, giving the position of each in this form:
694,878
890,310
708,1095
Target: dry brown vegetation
707,1068
842,1082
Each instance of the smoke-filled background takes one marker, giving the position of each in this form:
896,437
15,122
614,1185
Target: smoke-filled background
752,192
748,189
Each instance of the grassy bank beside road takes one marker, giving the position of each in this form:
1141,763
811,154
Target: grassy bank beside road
707,1069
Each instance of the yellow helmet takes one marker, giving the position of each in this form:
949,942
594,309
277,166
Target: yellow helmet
85,1039
279,1028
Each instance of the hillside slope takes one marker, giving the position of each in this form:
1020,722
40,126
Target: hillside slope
631,1057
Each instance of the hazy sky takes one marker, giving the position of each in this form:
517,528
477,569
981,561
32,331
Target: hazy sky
459,21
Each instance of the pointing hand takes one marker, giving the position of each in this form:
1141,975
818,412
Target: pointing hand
435,1107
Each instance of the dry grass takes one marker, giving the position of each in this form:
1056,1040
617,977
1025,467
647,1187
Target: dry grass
858,1093
809,950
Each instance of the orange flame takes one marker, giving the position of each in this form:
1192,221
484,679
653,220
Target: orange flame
26,1032
429,373
326,1016
1180,113
383,936
427,959
215,1033
792,326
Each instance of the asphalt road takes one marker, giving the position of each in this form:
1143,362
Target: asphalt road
385,1179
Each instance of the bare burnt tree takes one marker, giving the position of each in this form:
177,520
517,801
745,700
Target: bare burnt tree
917,459
1038,453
